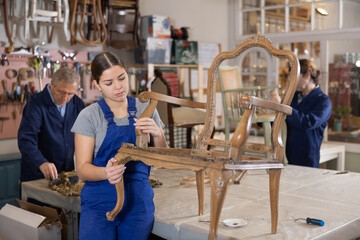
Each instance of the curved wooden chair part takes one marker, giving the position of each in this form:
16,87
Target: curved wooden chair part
5,6
221,166
97,28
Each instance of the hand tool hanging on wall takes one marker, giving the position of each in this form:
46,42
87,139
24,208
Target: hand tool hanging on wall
47,65
66,55
4,60
38,64
84,92
6,93
55,67
2,119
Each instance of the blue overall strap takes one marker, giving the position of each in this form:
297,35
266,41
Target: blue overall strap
109,116
131,107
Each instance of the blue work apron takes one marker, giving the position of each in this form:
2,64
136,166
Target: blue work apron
136,218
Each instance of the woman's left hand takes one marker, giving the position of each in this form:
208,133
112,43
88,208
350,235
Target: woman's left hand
114,172
148,125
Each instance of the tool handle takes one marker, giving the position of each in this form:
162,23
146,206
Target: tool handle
315,221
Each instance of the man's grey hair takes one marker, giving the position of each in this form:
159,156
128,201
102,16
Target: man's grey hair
66,74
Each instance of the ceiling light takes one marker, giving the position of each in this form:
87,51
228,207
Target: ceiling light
322,11
357,63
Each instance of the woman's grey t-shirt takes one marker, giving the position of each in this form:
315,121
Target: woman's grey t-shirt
91,122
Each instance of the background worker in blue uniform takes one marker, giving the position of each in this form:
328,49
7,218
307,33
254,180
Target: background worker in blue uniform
44,137
310,115
100,129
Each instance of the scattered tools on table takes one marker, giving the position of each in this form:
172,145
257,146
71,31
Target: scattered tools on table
241,176
308,220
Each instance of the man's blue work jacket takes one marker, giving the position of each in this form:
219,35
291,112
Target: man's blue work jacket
305,128
45,136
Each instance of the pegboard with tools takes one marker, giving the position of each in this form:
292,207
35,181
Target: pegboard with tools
22,74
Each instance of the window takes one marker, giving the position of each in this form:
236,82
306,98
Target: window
277,16
298,26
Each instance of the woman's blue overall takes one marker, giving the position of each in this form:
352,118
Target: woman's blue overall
137,215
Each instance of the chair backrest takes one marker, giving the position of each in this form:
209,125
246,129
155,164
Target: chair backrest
259,41
231,88
160,85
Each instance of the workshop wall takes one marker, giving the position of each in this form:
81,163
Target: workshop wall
204,27
23,75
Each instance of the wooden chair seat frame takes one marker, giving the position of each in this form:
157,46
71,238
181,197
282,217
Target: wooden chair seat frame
220,166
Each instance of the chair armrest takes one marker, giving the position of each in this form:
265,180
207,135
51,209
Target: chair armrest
146,96
254,88
249,101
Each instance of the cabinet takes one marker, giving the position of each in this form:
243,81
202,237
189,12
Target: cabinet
9,178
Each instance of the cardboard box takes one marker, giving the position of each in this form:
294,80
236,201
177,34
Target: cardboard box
156,50
18,223
184,52
155,26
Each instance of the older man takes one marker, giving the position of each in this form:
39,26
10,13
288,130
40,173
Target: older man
44,137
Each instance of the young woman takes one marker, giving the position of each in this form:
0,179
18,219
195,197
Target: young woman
100,129
310,115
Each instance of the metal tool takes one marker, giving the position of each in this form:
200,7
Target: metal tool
2,119
310,221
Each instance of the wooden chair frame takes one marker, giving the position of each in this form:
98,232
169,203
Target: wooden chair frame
57,17
220,166
98,28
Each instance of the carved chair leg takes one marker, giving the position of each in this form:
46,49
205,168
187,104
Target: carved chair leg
219,182
120,201
122,159
274,181
200,176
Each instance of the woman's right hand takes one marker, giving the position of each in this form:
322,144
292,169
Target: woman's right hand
114,173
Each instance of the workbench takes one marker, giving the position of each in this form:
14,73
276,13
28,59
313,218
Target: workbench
329,195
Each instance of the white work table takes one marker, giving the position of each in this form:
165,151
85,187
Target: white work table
304,192
328,151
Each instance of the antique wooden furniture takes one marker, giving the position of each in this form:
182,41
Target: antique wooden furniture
45,14
92,11
123,21
183,117
220,166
